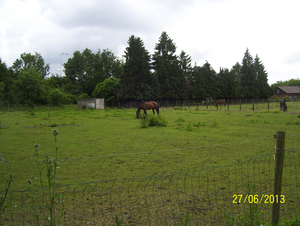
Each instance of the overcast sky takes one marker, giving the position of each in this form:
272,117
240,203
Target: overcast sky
217,31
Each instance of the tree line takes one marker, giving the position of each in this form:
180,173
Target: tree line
139,76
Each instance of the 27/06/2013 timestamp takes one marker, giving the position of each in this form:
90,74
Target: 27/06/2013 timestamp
257,199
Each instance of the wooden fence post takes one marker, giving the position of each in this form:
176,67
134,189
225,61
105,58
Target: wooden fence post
228,104
279,157
253,104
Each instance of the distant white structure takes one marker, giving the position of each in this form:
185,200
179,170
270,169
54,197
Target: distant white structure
92,103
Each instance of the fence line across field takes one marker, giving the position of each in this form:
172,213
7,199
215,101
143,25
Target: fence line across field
207,104
239,193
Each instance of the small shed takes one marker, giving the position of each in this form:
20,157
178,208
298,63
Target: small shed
92,103
292,92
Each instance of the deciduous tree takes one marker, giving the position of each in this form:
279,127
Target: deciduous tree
28,61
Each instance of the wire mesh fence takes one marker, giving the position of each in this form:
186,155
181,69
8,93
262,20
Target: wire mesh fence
236,194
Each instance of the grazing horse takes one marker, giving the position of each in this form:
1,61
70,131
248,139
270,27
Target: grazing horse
220,102
147,105
283,105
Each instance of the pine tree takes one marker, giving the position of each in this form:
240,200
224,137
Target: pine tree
237,79
262,78
248,79
137,80
204,82
225,84
170,76
186,66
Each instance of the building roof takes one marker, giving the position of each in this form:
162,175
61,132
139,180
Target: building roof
290,89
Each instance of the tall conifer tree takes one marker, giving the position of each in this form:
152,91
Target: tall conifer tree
262,78
248,79
137,80
170,76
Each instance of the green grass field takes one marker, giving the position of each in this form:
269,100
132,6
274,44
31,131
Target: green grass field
99,145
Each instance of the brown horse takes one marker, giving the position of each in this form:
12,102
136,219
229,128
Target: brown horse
147,106
221,102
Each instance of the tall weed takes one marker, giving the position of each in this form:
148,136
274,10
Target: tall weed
49,195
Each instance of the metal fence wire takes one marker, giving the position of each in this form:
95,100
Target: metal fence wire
234,194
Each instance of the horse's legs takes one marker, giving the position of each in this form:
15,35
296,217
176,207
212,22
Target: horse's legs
145,112
153,111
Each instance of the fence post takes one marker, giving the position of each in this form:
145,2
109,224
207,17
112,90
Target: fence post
228,104
268,104
279,157
253,104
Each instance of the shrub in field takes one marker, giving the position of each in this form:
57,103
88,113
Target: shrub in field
157,121
152,120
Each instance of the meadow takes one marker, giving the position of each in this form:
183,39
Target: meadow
98,145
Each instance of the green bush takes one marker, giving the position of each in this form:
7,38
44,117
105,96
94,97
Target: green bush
57,97
152,120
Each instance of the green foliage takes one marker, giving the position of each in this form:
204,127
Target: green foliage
152,120
28,61
89,69
204,82
56,97
170,76
29,86
109,89
138,83
83,96
157,120
7,85
164,77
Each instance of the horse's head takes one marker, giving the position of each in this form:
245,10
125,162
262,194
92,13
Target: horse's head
137,114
